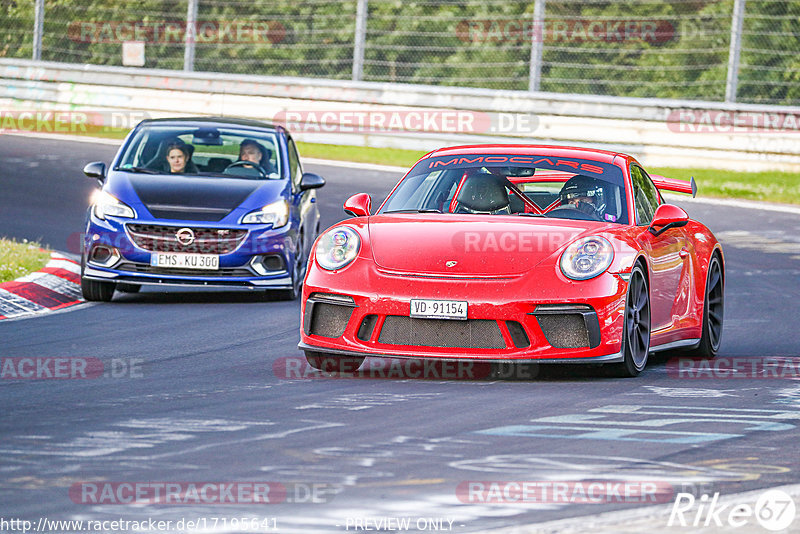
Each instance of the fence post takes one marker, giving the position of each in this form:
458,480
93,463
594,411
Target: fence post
38,29
731,84
537,43
191,36
359,40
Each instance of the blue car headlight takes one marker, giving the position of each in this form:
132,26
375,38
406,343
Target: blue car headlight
276,213
586,258
105,204
337,248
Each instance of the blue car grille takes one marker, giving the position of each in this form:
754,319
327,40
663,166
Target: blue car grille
157,238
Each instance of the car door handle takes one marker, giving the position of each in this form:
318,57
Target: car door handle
683,253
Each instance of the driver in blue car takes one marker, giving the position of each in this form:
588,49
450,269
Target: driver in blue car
586,195
253,158
252,150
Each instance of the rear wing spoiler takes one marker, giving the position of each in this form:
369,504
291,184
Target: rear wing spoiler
671,184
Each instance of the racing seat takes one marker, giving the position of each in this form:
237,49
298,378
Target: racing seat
482,193
159,162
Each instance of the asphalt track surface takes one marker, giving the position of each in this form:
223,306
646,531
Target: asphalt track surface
205,405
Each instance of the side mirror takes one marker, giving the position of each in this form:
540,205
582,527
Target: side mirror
358,205
96,170
667,216
309,180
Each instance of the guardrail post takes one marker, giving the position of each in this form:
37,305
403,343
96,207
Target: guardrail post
731,85
537,44
191,29
38,29
359,40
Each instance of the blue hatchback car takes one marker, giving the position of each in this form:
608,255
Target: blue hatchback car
200,202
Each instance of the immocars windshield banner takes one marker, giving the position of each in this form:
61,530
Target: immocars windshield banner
596,169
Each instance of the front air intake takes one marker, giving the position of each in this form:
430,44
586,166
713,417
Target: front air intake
327,315
569,326
469,334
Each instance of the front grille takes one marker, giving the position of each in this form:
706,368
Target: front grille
469,334
564,330
327,320
145,268
156,238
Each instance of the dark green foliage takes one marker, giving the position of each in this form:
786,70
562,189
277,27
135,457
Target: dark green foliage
467,43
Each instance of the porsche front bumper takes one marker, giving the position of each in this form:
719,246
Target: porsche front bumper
511,318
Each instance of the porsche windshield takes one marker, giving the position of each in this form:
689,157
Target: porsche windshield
519,191
208,150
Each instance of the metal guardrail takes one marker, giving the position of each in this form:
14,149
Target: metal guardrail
642,127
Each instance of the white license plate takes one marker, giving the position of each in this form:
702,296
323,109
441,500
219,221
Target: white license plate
204,262
439,309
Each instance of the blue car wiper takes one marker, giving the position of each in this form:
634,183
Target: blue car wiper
143,170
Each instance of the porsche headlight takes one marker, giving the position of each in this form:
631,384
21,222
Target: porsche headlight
586,258
337,248
106,204
276,213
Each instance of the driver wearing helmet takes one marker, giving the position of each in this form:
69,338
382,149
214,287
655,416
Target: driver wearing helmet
584,194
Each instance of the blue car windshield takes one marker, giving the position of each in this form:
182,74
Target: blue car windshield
207,150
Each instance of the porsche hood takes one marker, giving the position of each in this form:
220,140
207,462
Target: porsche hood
469,245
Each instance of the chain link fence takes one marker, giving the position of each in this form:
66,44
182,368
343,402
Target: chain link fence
735,50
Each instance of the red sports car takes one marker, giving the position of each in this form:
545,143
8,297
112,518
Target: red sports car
523,253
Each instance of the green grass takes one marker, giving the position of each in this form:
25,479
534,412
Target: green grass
382,156
18,259
105,132
782,187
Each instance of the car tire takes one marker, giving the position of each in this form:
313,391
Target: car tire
128,288
97,291
713,311
333,363
297,281
636,326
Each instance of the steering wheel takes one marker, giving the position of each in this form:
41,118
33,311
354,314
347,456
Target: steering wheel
571,212
262,172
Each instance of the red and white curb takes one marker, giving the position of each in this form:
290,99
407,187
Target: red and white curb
56,286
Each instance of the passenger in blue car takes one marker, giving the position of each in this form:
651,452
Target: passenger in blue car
178,156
